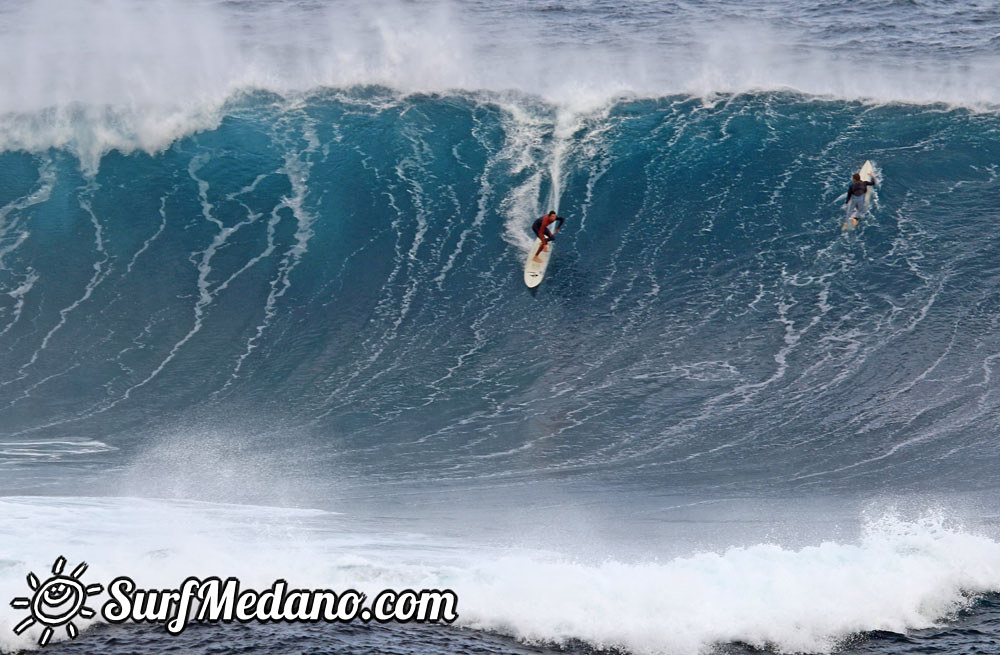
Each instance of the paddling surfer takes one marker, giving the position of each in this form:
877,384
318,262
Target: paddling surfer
856,197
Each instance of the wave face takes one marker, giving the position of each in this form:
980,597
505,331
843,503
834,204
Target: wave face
343,270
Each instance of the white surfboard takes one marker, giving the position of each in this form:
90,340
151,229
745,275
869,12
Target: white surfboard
535,271
867,174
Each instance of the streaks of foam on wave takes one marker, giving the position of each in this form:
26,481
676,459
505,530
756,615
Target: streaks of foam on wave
487,374
672,126
297,169
745,391
369,167
148,242
916,304
484,309
50,450
416,193
919,417
18,294
101,270
423,199
850,362
404,259
594,150
139,342
26,393
206,294
484,196
269,305
40,194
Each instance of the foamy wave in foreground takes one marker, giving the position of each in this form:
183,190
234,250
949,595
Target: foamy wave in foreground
900,575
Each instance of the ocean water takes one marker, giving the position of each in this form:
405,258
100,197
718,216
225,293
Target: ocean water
262,316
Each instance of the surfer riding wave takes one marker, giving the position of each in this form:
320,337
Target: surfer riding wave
541,229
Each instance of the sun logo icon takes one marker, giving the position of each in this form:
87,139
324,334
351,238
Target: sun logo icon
57,601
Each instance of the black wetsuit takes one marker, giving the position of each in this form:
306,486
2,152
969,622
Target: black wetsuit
856,199
537,226
858,189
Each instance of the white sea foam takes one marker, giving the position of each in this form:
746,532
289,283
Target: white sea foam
900,575
51,450
97,75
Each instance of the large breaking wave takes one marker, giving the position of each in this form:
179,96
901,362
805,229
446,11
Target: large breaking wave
342,268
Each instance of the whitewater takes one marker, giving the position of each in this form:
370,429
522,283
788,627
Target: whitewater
261,315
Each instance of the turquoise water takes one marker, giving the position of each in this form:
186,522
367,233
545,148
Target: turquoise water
261,311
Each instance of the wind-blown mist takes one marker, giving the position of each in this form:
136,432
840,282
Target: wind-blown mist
120,74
